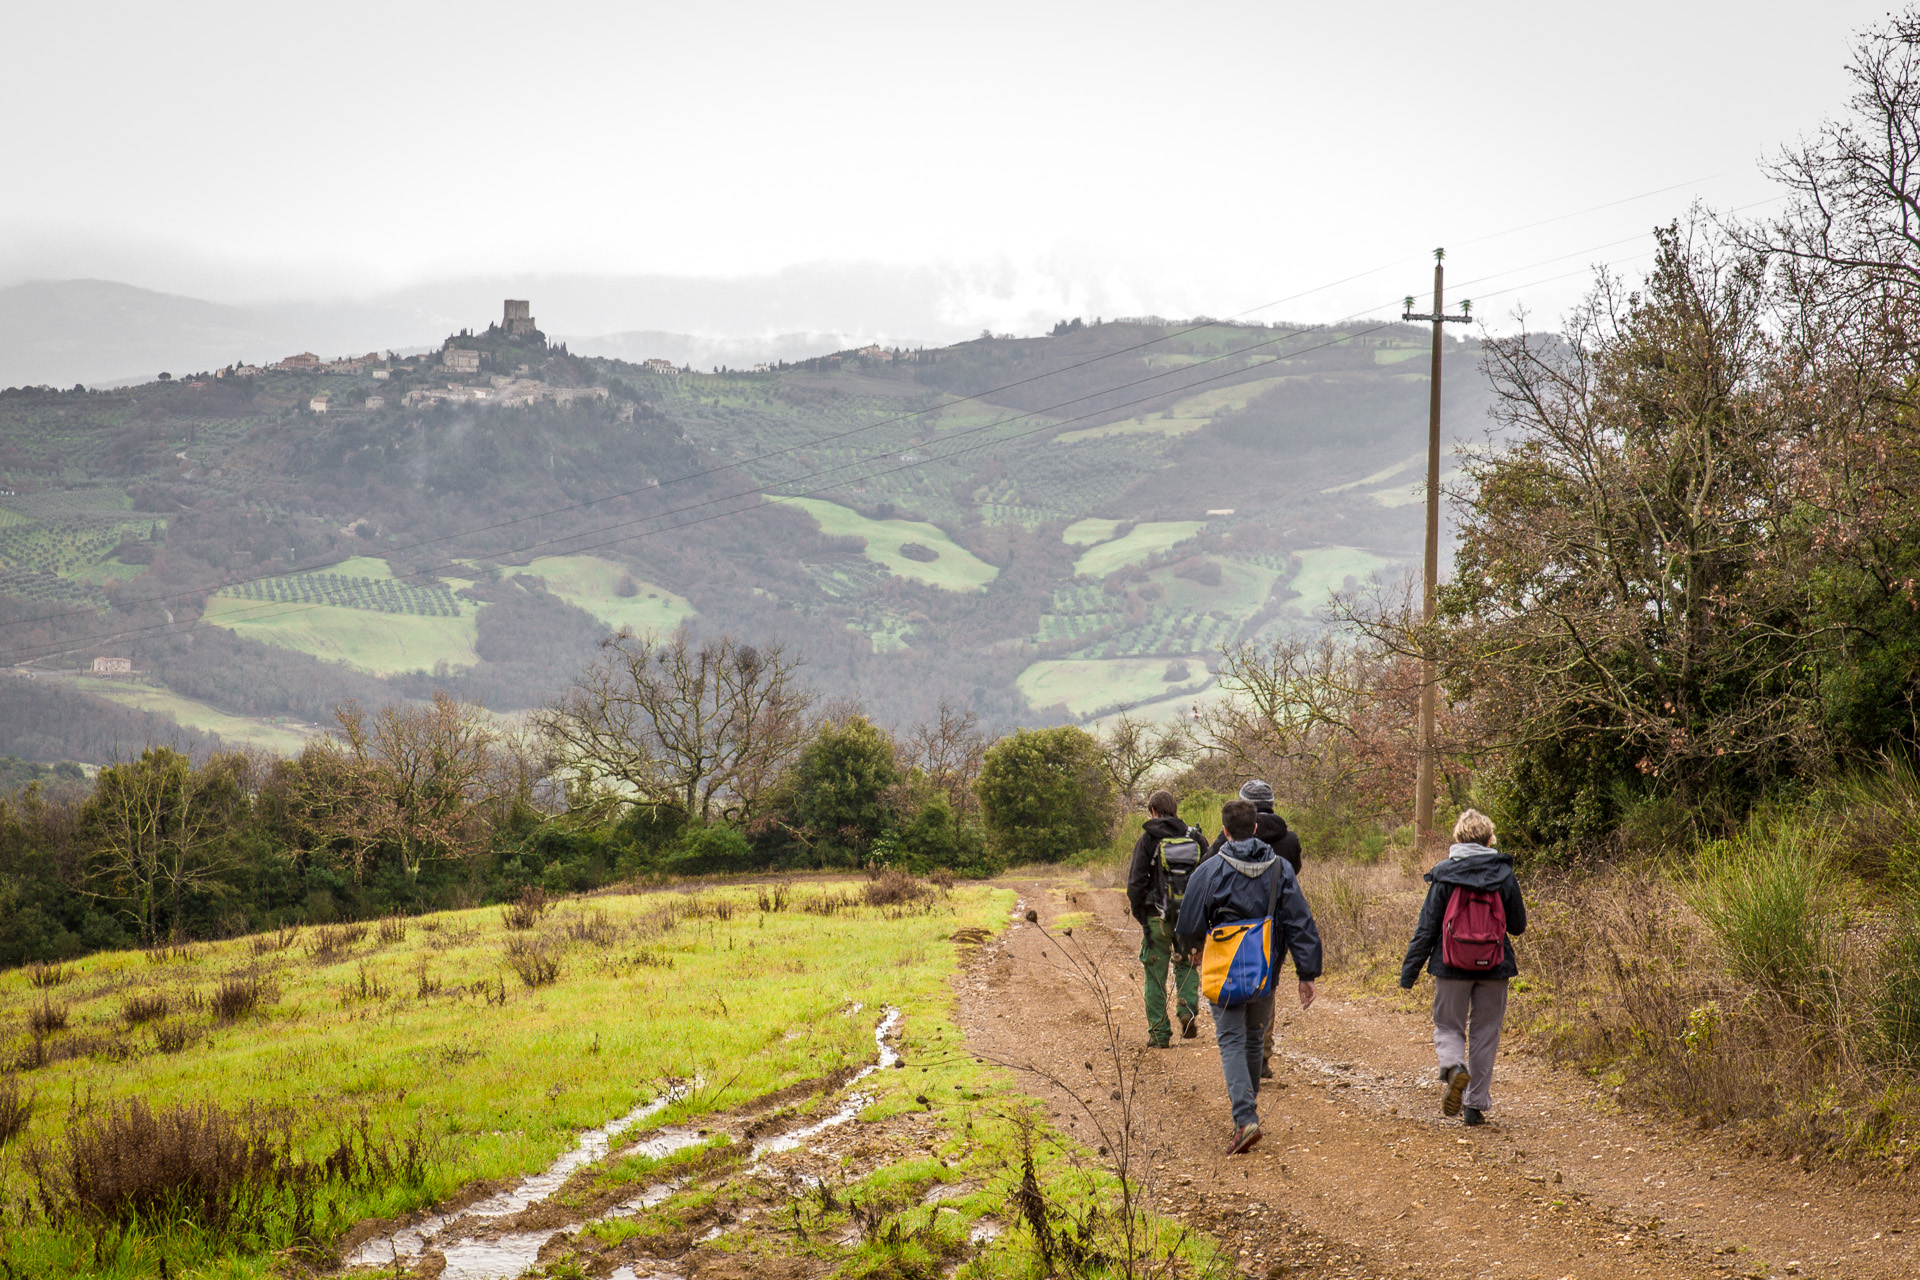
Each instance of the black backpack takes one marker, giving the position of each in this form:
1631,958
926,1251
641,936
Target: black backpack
1177,859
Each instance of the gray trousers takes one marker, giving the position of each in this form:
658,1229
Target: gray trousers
1238,1032
1467,1013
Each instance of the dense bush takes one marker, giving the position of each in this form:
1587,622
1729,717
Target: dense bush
839,787
1045,795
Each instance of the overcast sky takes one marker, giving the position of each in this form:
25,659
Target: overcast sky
1042,157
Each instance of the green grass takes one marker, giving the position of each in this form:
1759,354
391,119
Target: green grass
1325,570
593,584
1087,685
1415,490
956,569
1383,475
708,987
381,643
234,731
1243,588
1179,418
1142,541
1395,355
1088,532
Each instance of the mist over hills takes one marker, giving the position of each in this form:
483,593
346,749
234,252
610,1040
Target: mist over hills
59,332
1045,529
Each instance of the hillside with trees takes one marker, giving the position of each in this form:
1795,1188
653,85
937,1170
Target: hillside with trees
1042,528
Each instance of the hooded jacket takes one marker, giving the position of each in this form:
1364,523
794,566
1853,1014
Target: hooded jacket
1270,829
1474,867
1233,885
1143,874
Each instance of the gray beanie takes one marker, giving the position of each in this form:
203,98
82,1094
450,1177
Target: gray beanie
1256,791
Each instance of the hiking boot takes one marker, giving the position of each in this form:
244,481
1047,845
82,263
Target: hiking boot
1266,1069
1475,1116
1189,1025
1159,1044
1456,1080
1245,1139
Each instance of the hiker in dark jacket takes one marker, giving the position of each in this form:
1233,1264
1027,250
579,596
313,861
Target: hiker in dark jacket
1150,898
1269,827
1468,1006
1237,884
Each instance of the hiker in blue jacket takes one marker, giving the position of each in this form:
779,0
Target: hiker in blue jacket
1237,884
1469,1006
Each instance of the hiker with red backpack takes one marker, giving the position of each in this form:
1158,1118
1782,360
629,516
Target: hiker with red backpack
1243,914
1473,906
1163,858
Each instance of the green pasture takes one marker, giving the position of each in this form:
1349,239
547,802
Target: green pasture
1383,475
593,584
1243,588
9,517
1415,491
234,731
381,643
1179,418
1087,685
1394,355
1141,541
1088,532
1325,570
955,569
424,1028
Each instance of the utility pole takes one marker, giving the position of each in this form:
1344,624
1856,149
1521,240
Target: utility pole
1423,786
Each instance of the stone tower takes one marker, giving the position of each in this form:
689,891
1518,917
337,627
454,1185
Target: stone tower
517,320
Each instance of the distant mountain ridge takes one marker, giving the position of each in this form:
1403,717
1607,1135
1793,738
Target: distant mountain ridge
104,332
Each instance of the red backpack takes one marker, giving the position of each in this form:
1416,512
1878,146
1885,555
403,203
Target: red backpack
1473,937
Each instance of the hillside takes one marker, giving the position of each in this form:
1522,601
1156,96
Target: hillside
1045,528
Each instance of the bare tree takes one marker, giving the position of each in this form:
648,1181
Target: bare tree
1134,751
948,749
156,825
412,780
701,727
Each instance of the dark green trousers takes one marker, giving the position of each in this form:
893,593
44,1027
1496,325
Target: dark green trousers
1156,953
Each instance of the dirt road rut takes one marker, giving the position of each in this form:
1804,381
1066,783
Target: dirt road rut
1360,1176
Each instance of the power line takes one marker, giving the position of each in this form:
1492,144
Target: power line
37,652
817,442
820,441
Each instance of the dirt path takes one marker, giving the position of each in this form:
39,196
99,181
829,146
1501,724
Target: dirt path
1359,1175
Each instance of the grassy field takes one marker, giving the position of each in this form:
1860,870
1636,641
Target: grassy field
381,643
1088,532
1242,589
1383,475
594,585
1142,541
234,731
420,1031
954,568
1087,685
1415,490
1325,570
1180,417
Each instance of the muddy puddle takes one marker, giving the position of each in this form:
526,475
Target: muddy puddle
855,1103
505,1256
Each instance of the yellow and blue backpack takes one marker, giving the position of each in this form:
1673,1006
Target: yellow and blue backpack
1237,963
